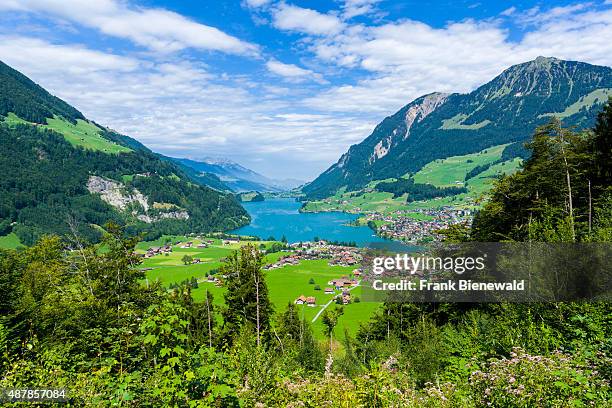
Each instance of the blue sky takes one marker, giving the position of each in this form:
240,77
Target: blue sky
282,87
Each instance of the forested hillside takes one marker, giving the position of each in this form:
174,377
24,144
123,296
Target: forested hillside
505,110
51,158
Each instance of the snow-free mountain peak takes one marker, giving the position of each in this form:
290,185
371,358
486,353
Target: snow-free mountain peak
505,110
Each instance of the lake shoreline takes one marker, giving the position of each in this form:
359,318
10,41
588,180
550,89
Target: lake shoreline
283,217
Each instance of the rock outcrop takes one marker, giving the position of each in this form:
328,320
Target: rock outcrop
125,198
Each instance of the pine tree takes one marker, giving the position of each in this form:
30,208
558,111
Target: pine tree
246,297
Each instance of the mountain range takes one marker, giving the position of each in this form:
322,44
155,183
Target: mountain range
236,177
505,110
67,175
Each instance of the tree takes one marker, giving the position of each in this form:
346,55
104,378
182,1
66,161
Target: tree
330,319
289,324
311,281
602,147
296,334
187,259
554,179
246,298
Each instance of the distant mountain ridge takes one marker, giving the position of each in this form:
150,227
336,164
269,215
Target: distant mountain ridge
236,177
505,110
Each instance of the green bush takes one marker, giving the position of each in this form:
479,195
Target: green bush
526,380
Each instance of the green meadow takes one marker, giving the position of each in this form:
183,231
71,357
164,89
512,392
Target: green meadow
10,241
84,134
447,172
284,284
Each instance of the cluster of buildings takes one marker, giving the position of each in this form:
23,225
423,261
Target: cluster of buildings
343,282
189,244
401,226
337,255
303,300
152,251
292,259
346,257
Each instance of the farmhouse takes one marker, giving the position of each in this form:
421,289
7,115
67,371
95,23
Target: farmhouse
329,291
343,283
230,240
300,300
311,301
213,279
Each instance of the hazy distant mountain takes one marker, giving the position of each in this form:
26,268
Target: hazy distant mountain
504,110
237,177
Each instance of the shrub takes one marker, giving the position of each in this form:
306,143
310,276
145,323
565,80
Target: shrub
526,380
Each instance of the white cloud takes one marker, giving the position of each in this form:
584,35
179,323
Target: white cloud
154,28
257,3
535,15
509,11
293,18
293,72
62,60
354,8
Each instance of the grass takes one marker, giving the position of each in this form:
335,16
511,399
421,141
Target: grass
358,202
586,101
14,120
447,172
481,183
456,122
10,241
284,284
83,133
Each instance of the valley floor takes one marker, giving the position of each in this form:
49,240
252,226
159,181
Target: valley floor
285,284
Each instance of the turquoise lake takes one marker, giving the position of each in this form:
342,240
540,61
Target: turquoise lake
280,216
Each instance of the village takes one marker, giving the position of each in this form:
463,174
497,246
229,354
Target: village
402,226
337,289
337,254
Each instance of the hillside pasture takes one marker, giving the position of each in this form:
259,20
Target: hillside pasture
451,172
84,134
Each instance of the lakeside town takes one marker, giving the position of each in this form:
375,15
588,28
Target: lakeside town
417,226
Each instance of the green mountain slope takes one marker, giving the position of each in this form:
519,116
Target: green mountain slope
506,110
63,173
